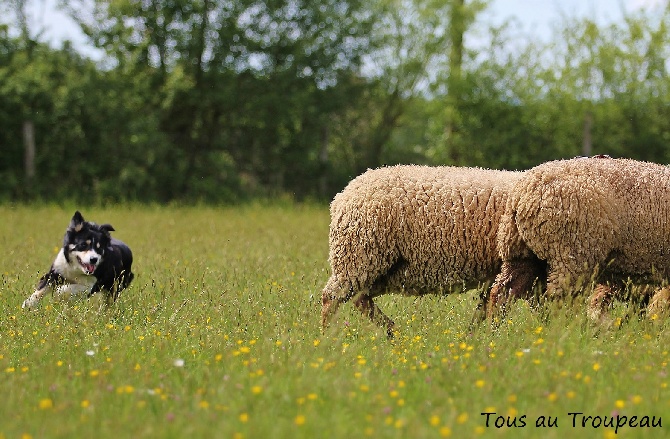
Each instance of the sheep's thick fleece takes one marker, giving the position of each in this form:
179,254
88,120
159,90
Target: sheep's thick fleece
585,214
414,229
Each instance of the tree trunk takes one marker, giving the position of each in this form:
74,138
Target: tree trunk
587,142
323,162
457,26
29,148
392,110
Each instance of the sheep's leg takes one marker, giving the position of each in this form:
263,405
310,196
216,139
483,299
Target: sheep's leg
515,281
600,301
493,301
482,308
659,304
497,298
331,298
368,308
328,308
566,280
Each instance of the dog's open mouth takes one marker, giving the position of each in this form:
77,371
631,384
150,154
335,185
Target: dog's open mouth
88,268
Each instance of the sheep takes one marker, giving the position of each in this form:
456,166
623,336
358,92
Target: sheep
588,218
415,230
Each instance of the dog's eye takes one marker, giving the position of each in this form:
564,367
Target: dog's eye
82,246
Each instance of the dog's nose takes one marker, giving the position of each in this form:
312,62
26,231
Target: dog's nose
93,260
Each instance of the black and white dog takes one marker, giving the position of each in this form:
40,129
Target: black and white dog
90,260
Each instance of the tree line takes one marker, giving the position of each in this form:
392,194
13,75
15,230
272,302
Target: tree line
224,100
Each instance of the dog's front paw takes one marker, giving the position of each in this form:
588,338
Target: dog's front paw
33,300
29,303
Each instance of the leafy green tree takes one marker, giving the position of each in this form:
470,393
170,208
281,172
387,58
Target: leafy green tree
590,89
239,87
419,54
615,75
212,100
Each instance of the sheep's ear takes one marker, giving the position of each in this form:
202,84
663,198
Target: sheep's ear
106,228
77,222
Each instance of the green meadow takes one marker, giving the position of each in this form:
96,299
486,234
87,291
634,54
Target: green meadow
219,337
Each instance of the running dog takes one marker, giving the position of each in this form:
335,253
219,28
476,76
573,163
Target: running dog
90,260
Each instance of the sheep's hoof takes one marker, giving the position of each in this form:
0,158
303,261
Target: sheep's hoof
660,305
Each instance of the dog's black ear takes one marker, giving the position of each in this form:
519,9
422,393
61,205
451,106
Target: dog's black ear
106,228
77,222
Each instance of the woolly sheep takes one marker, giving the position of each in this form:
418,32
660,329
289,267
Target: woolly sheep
587,217
414,230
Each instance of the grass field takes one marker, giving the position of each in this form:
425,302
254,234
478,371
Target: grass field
219,337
